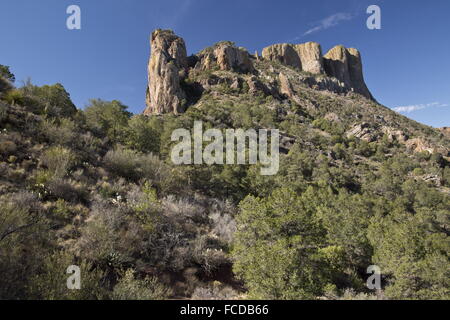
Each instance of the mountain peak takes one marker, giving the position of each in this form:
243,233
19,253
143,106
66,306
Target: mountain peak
338,71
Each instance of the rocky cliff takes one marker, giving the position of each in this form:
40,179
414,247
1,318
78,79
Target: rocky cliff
167,61
338,71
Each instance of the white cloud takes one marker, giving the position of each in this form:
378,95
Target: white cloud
329,22
415,107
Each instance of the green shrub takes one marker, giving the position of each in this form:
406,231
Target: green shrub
131,288
50,283
108,119
7,148
58,160
63,133
122,162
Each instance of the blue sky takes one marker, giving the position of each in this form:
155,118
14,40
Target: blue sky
406,63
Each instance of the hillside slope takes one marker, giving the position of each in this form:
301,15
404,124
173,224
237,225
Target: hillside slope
358,185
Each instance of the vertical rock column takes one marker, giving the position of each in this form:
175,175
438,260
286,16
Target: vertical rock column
336,65
356,73
167,60
345,65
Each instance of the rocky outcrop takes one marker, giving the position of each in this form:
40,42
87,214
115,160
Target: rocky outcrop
419,145
283,53
168,61
310,55
340,63
232,58
346,66
394,134
362,131
356,73
305,56
225,56
176,80
336,65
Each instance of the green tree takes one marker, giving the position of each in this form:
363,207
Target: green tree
142,136
6,73
108,118
277,247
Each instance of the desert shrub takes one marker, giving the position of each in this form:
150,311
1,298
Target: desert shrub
58,160
215,291
7,147
209,254
132,288
50,282
122,163
62,133
350,294
66,189
224,226
24,237
110,237
183,210
145,205
15,96
3,111
156,171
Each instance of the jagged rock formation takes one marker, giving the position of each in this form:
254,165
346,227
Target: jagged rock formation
339,71
229,57
168,59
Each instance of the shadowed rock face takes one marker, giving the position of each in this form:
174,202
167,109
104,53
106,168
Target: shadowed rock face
345,65
336,64
168,59
356,73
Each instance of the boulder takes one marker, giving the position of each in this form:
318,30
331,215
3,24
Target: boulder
362,131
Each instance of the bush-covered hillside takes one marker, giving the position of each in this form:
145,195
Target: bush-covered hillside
359,185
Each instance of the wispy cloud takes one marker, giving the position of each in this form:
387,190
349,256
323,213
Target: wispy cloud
415,107
164,14
328,22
